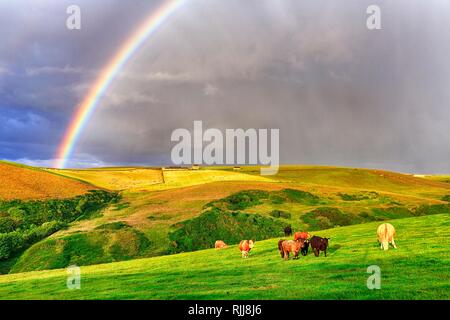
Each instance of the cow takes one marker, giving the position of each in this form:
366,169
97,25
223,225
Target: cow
287,246
386,233
301,235
220,244
319,244
245,246
288,231
305,247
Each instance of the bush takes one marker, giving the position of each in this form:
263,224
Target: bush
231,227
299,196
10,243
446,198
276,199
327,217
26,222
392,213
368,216
113,226
280,214
432,209
7,224
245,199
359,196
38,233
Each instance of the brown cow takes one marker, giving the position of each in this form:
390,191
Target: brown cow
287,246
301,235
220,244
319,244
288,231
386,233
245,246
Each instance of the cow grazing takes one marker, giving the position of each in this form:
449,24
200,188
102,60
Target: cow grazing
386,233
319,244
287,246
220,244
245,246
305,247
288,231
301,235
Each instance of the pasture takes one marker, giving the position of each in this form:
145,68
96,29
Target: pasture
152,215
130,249
418,269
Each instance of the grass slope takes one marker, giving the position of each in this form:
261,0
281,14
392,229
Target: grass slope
28,183
418,269
115,178
153,209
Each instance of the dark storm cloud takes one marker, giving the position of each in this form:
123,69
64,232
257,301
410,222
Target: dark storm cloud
339,93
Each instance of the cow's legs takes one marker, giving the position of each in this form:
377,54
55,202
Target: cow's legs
393,244
325,252
316,252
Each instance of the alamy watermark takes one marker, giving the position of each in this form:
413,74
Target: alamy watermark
73,277
73,21
373,21
374,280
232,147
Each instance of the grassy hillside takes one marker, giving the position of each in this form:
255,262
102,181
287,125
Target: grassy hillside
27,183
418,269
149,179
339,196
115,178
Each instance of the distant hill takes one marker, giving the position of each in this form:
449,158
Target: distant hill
28,183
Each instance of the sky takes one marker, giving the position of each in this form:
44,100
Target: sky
340,94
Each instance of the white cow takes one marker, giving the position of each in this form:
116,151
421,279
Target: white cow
386,233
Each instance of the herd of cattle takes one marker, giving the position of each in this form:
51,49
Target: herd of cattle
303,240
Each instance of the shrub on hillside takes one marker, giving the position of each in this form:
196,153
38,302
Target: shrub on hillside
10,243
26,222
359,196
327,217
249,198
280,214
113,226
7,224
98,246
426,209
240,200
446,198
231,227
300,196
392,213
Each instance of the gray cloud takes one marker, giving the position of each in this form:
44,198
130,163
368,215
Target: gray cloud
339,93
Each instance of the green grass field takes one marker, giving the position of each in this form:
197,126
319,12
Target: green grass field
124,248
418,269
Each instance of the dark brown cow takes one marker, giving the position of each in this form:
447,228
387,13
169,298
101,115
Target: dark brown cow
319,244
288,231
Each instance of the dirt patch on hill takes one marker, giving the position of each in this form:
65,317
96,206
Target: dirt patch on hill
29,184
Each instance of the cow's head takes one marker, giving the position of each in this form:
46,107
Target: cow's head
251,243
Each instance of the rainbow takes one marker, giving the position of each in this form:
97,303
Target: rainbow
90,102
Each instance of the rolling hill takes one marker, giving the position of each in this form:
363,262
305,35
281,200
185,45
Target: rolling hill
418,269
29,183
150,215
